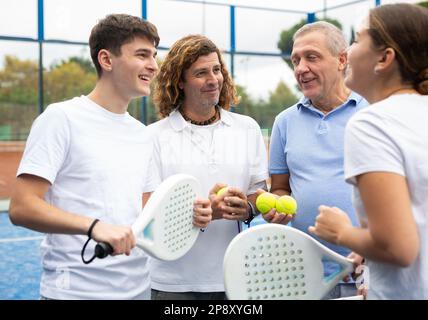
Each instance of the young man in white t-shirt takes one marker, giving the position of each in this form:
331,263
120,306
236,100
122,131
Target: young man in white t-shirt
85,167
199,136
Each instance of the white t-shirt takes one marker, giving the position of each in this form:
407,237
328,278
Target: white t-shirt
98,163
230,151
392,136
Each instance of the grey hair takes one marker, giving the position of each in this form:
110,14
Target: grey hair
335,39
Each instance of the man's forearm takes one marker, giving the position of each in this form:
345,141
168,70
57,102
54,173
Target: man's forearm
36,214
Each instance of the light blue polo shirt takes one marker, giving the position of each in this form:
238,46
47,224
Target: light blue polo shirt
308,145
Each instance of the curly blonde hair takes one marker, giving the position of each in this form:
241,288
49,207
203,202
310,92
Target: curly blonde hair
183,53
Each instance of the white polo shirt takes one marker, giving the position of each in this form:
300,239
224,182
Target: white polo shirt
230,151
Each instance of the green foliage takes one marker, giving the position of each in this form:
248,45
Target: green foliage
282,96
84,63
19,89
18,81
423,4
67,80
16,119
285,43
75,76
246,105
264,112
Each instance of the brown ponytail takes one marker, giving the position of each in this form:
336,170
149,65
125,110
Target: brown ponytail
422,84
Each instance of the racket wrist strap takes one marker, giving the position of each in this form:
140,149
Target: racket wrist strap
251,214
89,233
91,227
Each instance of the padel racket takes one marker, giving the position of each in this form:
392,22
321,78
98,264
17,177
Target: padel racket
277,262
164,228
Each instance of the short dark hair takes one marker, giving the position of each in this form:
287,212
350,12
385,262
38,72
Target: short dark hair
404,28
116,30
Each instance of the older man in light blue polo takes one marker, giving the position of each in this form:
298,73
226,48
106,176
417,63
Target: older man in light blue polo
306,150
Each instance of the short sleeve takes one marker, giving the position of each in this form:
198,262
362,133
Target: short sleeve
370,147
259,163
47,145
277,156
153,174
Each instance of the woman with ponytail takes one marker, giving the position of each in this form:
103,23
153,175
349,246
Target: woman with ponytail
386,154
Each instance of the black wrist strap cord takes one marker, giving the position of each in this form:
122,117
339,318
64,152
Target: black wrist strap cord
87,241
251,215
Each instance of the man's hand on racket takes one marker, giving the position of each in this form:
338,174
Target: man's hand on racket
358,262
230,205
120,238
202,213
273,216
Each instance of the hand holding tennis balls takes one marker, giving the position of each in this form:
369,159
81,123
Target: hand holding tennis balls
228,202
265,202
286,205
221,191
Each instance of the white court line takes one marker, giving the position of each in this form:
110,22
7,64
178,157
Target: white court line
21,239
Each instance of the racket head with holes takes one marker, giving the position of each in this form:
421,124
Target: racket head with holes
277,262
164,229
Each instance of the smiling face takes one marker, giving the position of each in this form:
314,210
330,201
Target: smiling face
202,82
135,67
318,72
362,59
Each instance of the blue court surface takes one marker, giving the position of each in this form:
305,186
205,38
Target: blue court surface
20,267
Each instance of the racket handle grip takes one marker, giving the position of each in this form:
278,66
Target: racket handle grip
103,249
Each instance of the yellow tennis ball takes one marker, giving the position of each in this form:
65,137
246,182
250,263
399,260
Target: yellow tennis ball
286,205
265,202
221,191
